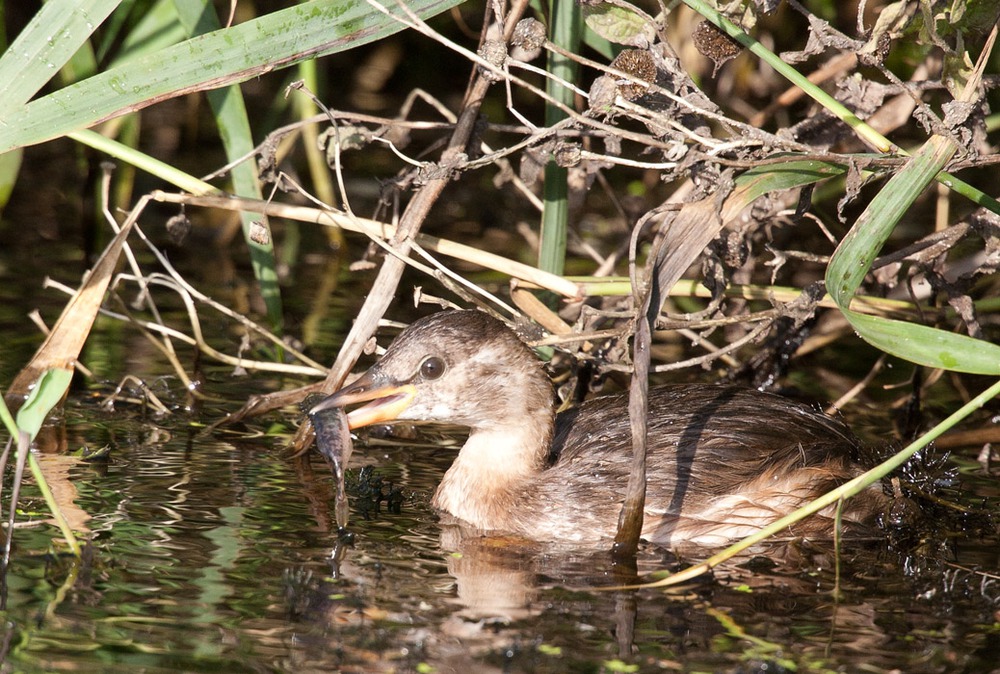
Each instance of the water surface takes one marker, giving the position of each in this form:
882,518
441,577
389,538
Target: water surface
212,551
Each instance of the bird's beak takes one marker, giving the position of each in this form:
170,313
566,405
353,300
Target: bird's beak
388,400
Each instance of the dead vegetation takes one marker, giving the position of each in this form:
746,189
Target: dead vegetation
710,173
745,181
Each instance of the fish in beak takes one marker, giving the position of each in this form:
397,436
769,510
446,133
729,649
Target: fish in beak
386,400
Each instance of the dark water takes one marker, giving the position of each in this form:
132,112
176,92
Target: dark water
213,552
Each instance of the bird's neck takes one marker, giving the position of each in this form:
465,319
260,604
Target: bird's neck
482,484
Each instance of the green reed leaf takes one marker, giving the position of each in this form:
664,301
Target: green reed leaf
762,180
209,61
233,123
46,44
48,391
853,258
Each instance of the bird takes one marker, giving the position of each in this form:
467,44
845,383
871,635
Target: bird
722,460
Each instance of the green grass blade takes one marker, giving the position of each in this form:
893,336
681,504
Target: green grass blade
234,128
10,166
8,419
852,260
46,394
47,43
567,29
927,346
762,180
158,29
198,16
856,252
209,61
143,161
872,136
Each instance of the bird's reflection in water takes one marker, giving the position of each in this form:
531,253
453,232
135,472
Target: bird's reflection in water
501,590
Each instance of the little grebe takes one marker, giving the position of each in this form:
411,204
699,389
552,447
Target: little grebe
722,461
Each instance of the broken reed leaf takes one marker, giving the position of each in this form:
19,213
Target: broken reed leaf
333,438
851,262
928,346
762,180
852,259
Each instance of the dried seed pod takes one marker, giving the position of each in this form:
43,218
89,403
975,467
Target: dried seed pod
529,38
178,228
494,51
567,155
873,54
259,233
602,94
715,44
640,64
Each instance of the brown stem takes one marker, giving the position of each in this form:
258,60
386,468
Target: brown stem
384,288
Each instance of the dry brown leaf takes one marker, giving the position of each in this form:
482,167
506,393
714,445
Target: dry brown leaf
63,345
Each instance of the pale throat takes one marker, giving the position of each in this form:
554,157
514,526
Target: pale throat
508,446
493,463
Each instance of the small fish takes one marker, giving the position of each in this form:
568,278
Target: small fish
333,438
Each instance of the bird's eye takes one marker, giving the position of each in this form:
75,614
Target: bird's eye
432,368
